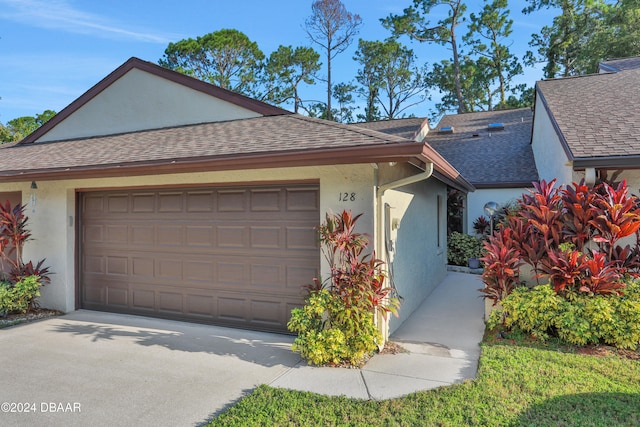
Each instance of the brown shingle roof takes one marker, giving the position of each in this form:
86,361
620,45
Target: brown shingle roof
272,141
598,115
406,128
498,158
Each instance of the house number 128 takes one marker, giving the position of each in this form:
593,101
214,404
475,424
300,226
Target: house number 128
347,197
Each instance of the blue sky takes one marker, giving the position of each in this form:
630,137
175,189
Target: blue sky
52,51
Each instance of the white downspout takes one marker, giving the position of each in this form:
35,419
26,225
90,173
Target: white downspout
406,181
380,190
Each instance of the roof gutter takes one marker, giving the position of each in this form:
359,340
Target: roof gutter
406,181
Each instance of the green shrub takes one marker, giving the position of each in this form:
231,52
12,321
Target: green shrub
579,319
336,324
461,247
330,333
18,297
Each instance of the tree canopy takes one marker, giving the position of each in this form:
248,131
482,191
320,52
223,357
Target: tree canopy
18,128
390,78
227,58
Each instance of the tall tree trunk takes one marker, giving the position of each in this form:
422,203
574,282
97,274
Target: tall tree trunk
456,73
329,114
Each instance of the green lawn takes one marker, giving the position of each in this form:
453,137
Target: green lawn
517,385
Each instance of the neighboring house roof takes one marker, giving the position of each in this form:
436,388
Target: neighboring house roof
406,128
496,158
596,117
619,64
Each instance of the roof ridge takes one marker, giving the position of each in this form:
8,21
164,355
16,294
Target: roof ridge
354,129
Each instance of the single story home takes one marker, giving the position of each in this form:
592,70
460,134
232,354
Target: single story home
157,194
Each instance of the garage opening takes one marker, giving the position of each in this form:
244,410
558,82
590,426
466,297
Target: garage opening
234,256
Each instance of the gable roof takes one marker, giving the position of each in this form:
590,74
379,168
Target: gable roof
406,128
264,142
488,158
596,117
156,70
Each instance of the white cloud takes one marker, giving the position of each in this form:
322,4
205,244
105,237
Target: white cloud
60,15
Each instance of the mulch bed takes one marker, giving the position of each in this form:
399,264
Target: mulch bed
30,316
604,350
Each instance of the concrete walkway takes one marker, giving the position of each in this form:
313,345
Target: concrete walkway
442,338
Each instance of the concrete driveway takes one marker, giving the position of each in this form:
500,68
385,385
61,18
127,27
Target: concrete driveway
102,369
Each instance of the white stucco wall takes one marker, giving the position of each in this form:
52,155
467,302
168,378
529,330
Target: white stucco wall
418,260
140,100
551,159
477,200
52,220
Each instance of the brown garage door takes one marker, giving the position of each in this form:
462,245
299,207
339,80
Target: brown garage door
235,256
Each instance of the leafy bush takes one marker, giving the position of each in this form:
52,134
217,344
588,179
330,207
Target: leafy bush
578,319
591,220
461,247
321,341
337,324
16,298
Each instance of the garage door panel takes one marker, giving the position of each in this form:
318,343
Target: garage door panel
267,276
202,201
117,265
118,204
170,301
232,201
265,200
267,312
117,295
265,237
302,200
143,298
234,256
304,238
232,308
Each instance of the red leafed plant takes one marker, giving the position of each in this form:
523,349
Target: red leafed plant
356,278
591,221
13,235
565,269
501,263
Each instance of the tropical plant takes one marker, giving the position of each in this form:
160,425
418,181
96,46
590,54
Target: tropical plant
481,226
337,324
13,235
501,261
461,247
571,237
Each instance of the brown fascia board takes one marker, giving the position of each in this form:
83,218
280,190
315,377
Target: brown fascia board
610,162
556,127
149,67
397,152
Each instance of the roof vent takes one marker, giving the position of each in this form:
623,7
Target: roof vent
495,126
446,129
